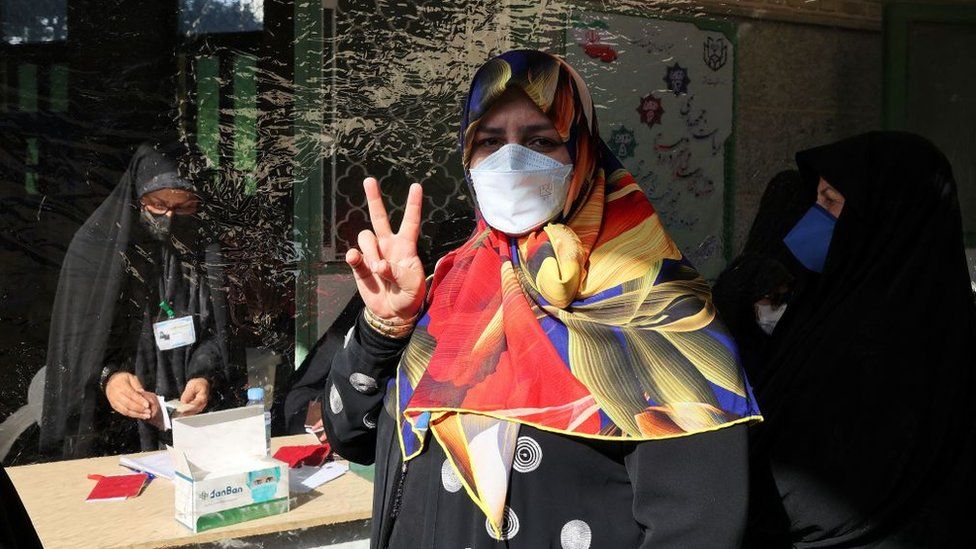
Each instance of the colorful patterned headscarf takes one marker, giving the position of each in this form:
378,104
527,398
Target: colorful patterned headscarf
593,326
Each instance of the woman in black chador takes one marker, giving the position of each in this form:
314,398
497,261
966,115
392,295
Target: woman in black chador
867,385
753,293
135,315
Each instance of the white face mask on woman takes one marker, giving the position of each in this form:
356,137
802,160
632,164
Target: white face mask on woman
768,316
518,189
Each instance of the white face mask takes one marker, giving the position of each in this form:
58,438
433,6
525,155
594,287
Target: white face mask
518,189
768,316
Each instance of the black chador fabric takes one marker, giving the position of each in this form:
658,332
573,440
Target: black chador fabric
16,529
112,280
764,266
783,203
867,391
308,382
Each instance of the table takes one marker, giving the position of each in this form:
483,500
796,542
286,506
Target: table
54,495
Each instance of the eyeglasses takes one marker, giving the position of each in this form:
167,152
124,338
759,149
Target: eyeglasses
186,208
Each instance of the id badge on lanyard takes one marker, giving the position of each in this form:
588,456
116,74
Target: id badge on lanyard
174,333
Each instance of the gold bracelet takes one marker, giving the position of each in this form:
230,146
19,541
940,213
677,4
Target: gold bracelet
392,323
392,329
395,333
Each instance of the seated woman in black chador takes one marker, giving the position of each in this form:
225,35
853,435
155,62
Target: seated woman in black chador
753,293
136,317
867,384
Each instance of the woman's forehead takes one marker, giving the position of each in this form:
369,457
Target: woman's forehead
513,106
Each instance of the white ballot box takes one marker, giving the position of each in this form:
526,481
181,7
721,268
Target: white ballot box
223,474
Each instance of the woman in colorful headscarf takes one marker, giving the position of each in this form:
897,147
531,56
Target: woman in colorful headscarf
562,380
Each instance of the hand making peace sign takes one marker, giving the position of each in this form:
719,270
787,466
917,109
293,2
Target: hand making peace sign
388,272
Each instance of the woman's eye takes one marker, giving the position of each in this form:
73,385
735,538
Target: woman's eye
543,144
488,142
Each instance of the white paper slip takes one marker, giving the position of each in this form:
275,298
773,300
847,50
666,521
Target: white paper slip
176,406
164,414
306,479
158,464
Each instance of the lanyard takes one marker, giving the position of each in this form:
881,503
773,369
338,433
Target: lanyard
167,309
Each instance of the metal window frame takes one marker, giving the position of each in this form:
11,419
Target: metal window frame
898,18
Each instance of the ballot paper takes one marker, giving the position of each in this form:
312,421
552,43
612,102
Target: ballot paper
176,407
170,410
158,464
306,479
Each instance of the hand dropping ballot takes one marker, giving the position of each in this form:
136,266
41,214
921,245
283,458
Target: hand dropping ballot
169,410
223,474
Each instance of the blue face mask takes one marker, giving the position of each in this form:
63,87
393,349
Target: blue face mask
263,484
263,492
809,240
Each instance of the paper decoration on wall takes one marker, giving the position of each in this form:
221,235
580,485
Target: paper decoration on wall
594,48
593,40
622,142
677,79
666,107
650,110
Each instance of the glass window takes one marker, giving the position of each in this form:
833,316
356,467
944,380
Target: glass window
215,16
275,111
35,21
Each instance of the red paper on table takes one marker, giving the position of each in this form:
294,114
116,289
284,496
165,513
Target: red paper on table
116,487
312,455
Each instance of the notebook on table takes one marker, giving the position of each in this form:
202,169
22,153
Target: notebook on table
117,487
158,464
